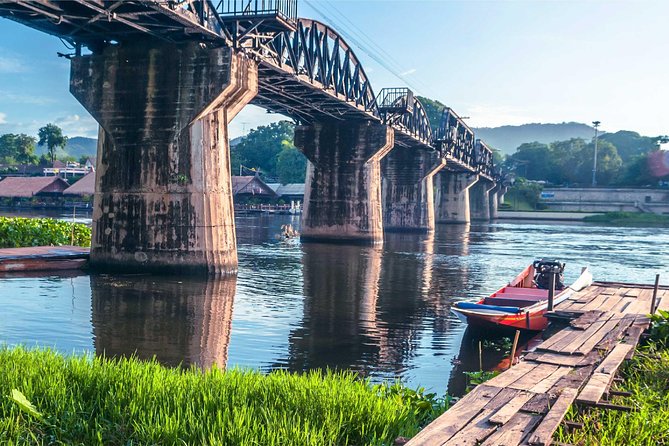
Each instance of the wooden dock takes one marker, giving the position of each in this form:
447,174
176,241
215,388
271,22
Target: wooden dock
527,403
42,258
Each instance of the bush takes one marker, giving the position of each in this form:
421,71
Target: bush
17,232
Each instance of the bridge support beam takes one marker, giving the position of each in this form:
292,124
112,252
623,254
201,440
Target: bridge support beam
408,189
480,200
494,201
452,197
163,194
342,199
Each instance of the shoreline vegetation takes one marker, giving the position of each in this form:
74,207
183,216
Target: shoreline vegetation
50,398
629,219
20,232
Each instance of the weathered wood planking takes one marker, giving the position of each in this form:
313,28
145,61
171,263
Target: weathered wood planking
543,434
603,375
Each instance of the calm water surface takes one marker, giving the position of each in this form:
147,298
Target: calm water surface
383,312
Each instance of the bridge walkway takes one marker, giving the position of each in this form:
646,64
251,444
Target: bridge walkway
527,403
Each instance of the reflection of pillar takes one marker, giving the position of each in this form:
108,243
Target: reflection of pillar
341,288
163,194
342,199
187,322
408,189
452,197
480,200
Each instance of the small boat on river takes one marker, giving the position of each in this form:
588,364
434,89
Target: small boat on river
522,304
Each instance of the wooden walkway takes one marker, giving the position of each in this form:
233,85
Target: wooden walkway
43,258
526,404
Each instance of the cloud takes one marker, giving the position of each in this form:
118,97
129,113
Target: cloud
75,125
3,118
408,72
11,65
7,96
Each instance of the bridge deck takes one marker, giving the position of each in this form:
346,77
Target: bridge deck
527,403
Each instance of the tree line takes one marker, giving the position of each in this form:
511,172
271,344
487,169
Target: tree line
624,158
20,148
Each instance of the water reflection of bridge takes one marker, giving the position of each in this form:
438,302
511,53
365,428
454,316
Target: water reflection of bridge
184,321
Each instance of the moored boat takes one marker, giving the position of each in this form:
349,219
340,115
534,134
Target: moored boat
522,304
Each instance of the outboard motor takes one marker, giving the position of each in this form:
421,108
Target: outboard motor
543,270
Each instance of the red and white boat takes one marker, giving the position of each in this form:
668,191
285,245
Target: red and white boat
522,304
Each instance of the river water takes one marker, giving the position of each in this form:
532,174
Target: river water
381,311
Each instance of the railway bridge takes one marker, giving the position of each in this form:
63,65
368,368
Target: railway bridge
164,78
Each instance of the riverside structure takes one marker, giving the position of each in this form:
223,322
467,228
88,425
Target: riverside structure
165,78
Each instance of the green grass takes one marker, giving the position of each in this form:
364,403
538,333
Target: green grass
629,218
90,400
647,378
18,232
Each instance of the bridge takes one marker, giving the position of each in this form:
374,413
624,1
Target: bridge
164,78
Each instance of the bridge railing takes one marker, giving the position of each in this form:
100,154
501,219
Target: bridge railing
285,9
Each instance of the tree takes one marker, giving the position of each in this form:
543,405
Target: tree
609,164
291,164
17,149
52,136
434,110
532,161
630,144
261,147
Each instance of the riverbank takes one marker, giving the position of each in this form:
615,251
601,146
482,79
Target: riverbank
629,219
86,400
544,215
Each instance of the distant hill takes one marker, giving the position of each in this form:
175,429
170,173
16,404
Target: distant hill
507,138
77,146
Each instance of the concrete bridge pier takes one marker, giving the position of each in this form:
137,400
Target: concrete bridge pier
480,200
494,201
452,197
408,189
342,199
163,194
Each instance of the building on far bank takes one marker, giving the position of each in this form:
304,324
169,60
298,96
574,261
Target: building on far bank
15,189
601,199
249,188
85,187
289,192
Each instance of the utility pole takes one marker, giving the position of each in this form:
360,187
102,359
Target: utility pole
594,166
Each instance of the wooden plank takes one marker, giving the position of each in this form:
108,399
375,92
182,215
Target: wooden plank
543,434
553,358
612,337
603,375
573,379
545,384
530,379
480,427
507,411
513,374
539,404
590,343
586,320
610,303
455,418
515,431
632,292
548,344
664,302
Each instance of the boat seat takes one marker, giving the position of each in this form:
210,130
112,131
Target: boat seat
510,301
525,291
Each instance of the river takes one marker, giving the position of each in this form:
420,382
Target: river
380,311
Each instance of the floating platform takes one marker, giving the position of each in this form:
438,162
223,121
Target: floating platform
577,365
43,258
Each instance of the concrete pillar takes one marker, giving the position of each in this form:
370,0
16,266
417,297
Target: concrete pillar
500,195
408,189
163,193
342,199
480,200
494,201
452,198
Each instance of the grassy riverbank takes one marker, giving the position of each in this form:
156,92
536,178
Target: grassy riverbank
629,218
83,400
18,232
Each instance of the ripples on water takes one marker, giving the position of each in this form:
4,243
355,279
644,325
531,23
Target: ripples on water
383,312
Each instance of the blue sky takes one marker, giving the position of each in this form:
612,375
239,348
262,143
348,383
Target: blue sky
498,62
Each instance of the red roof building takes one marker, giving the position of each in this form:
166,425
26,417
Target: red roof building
26,187
85,186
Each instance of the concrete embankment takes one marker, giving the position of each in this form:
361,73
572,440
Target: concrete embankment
544,215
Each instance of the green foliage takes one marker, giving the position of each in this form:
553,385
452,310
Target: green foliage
434,110
16,232
628,218
425,407
525,192
476,378
52,136
291,164
92,400
646,377
261,147
17,149
659,328
630,144
502,345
